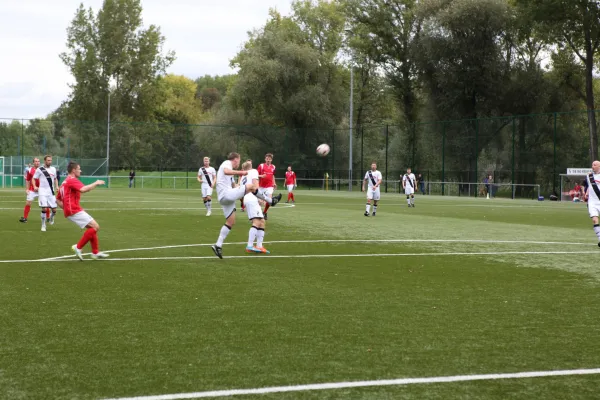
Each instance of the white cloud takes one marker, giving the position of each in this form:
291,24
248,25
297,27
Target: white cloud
205,35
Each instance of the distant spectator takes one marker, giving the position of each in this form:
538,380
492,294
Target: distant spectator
487,182
131,177
421,183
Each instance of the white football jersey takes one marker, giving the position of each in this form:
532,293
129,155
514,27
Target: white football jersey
409,180
224,182
592,197
211,175
376,177
45,188
249,197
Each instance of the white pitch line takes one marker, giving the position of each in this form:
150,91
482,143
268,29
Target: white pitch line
337,241
356,384
484,253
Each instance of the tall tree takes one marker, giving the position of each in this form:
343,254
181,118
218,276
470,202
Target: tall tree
573,25
112,46
391,26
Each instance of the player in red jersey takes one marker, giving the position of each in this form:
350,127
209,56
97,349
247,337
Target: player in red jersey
266,181
68,199
290,182
29,189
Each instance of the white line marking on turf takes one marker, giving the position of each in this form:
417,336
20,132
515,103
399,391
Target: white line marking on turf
337,241
483,253
355,384
321,241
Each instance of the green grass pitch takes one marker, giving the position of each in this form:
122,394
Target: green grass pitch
455,286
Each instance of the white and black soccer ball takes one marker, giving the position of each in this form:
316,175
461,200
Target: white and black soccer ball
323,150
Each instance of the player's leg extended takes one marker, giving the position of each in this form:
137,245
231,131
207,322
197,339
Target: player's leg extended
229,210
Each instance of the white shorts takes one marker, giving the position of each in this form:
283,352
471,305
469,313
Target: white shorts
228,197
81,219
31,195
207,191
267,192
373,194
253,210
290,188
409,190
594,210
47,201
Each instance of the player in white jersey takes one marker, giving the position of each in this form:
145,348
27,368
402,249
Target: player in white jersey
409,182
592,195
228,193
207,176
47,189
373,178
255,213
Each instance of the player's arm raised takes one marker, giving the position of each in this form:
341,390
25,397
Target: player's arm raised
91,186
228,171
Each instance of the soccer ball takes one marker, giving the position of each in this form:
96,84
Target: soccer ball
323,150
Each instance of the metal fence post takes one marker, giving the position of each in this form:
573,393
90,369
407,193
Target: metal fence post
443,155
554,163
387,135
512,179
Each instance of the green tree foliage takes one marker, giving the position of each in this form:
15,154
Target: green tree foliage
112,46
572,25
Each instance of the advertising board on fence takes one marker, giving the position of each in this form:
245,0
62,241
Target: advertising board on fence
578,171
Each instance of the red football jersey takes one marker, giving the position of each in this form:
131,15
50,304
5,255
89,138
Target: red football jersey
70,194
269,172
290,177
29,178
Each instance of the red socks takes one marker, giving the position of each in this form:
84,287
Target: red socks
89,235
266,208
289,196
48,213
26,211
293,198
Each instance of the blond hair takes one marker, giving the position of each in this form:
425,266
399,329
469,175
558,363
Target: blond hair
246,166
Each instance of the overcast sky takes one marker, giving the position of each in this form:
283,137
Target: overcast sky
205,34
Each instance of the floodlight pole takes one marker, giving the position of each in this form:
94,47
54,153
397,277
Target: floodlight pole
350,133
108,139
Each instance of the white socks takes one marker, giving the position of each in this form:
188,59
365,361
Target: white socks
252,235
368,207
224,232
260,235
